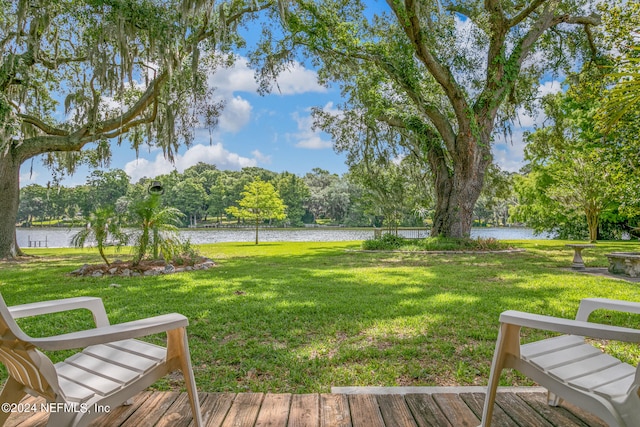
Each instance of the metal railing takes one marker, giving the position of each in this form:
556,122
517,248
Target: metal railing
406,232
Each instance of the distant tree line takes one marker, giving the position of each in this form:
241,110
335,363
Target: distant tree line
206,196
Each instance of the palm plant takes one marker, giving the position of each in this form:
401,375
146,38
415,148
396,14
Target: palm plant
103,226
157,227
624,97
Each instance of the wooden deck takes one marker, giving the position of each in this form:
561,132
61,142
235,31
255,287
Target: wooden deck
526,409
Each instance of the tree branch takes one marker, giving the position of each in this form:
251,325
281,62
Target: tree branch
44,127
498,83
410,23
438,119
42,144
58,139
525,13
99,129
52,64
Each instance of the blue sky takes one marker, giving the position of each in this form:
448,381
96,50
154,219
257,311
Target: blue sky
273,132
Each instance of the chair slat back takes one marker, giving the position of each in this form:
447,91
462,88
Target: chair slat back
25,363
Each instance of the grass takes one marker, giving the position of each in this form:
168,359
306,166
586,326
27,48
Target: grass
302,317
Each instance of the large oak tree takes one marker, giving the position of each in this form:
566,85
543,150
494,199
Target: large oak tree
435,79
77,74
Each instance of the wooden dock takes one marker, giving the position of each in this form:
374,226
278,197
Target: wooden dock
525,409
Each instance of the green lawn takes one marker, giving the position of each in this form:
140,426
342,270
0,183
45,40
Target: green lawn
302,317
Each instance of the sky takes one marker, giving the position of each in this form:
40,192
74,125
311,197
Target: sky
273,131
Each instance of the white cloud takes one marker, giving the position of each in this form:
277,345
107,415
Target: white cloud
549,87
296,80
28,177
235,115
307,137
525,119
262,158
313,142
239,77
212,154
236,78
508,153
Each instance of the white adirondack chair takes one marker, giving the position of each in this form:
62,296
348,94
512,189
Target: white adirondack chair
567,366
112,368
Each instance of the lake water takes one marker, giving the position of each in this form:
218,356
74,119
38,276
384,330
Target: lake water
60,237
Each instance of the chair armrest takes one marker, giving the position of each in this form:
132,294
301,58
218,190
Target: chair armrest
106,334
55,306
589,305
570,326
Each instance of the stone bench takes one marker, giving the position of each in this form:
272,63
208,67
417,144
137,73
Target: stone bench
624,263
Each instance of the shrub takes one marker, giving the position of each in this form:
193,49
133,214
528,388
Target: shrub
451,244
392,242
387,242
186,254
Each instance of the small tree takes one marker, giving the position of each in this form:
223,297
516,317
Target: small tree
582,184
572,156
260,201
102,225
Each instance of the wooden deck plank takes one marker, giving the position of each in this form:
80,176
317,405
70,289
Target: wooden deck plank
244,410
203,398
520,411
38,420
16,418
215,407
456,411
475,402
587,417
163,409
152,410
119,414
365,411
274,411
395,411
305,410
178,415
426,411
558,416
334,410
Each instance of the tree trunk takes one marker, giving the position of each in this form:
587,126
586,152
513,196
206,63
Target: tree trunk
9,200
257,227
453,215
457,188
592,223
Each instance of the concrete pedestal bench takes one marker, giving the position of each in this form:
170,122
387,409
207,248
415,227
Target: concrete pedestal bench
624,263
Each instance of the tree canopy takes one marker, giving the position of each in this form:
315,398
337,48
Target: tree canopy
434,79
78,74
583,161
